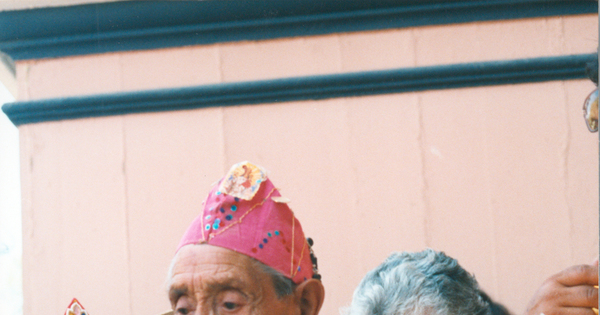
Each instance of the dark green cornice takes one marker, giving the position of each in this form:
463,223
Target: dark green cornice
135,25
304,88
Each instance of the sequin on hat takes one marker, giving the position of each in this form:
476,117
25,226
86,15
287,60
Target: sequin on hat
254,210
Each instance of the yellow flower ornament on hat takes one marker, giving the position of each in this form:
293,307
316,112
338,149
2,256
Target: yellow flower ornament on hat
243,181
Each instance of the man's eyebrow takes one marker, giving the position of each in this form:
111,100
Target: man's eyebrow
176,292
229,283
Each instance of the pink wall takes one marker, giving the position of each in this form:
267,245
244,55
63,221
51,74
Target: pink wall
503,178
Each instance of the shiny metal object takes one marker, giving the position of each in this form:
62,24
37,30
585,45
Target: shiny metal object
590,111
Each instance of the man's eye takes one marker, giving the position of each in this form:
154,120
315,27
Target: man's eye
182,311
231,301
230,306
184,306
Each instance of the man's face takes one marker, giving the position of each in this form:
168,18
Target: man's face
213,280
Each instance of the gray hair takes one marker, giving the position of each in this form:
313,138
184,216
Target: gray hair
283,285
426,282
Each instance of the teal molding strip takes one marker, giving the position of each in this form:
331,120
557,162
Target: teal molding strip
304,88
139,25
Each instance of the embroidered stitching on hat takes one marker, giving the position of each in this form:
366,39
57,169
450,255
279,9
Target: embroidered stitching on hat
293,241
211,236
299,260
207,228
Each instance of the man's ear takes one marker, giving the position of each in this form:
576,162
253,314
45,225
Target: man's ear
311,295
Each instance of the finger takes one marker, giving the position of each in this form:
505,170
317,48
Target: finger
578,296
578,275
566,311
572,311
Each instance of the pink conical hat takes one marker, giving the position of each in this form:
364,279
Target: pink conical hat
246,213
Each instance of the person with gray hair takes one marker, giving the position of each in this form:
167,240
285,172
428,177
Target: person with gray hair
430,282
426,282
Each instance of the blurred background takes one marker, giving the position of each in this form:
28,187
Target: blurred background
11,292
391,125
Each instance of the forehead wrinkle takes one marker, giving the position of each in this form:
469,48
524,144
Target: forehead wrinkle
224,277
203,270
228,284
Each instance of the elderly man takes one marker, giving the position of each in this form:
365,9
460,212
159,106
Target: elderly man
245,254
430,282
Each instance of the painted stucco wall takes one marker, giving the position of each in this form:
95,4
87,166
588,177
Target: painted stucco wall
503,178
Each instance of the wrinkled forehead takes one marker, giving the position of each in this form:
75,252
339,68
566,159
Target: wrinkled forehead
199,256
206,268
207,262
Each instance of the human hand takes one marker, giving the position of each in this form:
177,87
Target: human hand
569,292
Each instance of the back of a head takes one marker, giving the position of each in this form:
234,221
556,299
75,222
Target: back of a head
495,307
426,282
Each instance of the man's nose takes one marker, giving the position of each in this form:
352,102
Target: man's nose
204,309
